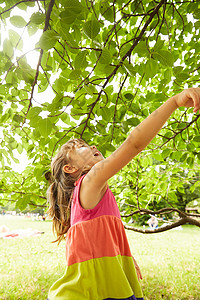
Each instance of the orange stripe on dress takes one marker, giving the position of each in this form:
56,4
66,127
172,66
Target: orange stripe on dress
95,238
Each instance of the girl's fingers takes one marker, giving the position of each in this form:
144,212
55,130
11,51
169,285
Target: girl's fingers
197,105
195,96
189,98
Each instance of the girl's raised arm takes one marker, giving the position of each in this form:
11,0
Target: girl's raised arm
139,138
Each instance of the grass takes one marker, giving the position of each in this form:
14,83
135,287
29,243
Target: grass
169,262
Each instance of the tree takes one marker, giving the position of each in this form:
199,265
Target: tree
109,64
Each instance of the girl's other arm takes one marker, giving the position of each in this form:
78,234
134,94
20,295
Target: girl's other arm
139,138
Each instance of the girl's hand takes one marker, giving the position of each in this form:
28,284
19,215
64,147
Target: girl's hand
138,272
189,98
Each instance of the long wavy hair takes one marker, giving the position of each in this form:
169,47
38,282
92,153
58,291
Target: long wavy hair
60,192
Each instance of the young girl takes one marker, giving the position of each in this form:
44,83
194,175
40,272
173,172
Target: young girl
84,211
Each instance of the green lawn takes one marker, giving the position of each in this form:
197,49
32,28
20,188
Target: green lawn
170,262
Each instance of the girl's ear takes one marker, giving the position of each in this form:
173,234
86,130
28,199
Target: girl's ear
69,169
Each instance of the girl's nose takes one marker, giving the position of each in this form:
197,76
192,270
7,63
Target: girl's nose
93,147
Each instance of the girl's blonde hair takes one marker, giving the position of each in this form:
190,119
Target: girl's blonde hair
60,192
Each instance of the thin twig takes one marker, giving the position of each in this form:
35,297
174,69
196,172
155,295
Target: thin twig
50,7
22,1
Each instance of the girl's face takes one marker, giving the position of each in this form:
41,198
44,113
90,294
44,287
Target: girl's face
85,157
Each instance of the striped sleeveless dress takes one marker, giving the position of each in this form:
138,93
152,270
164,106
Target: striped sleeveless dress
99,261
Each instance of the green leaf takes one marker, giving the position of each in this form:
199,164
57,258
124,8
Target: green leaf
22,202
166,152
176,155
8,48
45,127
198,155
106,10
177,69
68,17
151,68
18,21
32,29
128,96
197,25
197,14
31,4
106,114
73,6
182,76
158,156
129,68
4,118
28,78
75,74
146,161
105,57
172,196
34,112
48,39
167,75
190,161
133,121
80,60
183,157
71,44
196,139
90,100
158,46
19,148
17,118
37,18
110,148
141,49
22,6
165,57
15,159
91,28
89,89
124,49
15,39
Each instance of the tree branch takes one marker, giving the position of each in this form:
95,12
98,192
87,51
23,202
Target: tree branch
118,95
61,139
22,1
22,193
180,131
154,12
17,60
180,222
165,210
31,203
50,7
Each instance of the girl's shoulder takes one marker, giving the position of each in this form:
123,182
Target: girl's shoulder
90,194
79,181
106,205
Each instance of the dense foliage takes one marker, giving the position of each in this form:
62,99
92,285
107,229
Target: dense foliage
100,68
